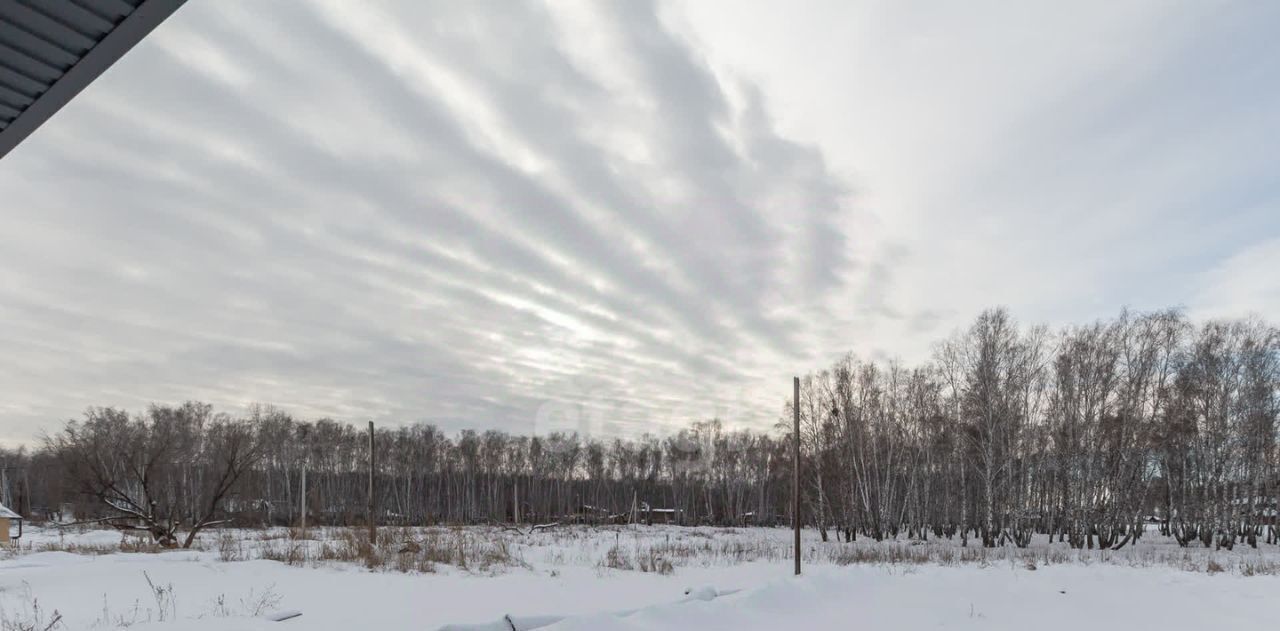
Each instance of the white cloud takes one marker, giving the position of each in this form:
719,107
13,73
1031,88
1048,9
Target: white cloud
459,211
1245,283
1063,159
446,212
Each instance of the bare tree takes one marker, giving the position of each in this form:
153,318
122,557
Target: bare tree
158,472
1006,433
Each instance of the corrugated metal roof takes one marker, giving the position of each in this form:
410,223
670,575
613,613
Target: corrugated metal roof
51,50
8,514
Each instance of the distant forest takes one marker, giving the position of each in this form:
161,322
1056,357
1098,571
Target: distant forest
1087,434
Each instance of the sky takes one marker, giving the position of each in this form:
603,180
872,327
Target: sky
619,217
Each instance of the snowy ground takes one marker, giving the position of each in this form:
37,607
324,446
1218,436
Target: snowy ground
588,574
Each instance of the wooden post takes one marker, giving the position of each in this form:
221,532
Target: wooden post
795,470
304,500
373,525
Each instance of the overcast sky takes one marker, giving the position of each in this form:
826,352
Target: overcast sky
620,216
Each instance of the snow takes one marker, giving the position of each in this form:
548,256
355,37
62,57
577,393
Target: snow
562,580
90,589
1063,597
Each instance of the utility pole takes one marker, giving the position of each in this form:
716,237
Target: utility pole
373,525
304,499
795,469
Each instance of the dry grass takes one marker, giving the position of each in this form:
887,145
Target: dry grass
397,549
641,550
130,545
30,617
656,549
1031,558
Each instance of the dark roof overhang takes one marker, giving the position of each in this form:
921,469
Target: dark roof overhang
50,50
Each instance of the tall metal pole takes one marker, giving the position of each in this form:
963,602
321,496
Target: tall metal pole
373,528
795,469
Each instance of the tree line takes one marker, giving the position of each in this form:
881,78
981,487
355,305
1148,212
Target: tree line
1087,434
1082,434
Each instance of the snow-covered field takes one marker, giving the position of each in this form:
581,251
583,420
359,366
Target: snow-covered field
588,575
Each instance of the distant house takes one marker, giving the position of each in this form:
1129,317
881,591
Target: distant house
9,519
752,519
588,514
661,515
665,515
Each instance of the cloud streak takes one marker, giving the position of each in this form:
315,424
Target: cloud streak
419,211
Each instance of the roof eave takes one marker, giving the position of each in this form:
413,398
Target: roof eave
106,52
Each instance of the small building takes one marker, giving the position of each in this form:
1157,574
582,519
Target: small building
661,515
10,525
751,518
588,514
